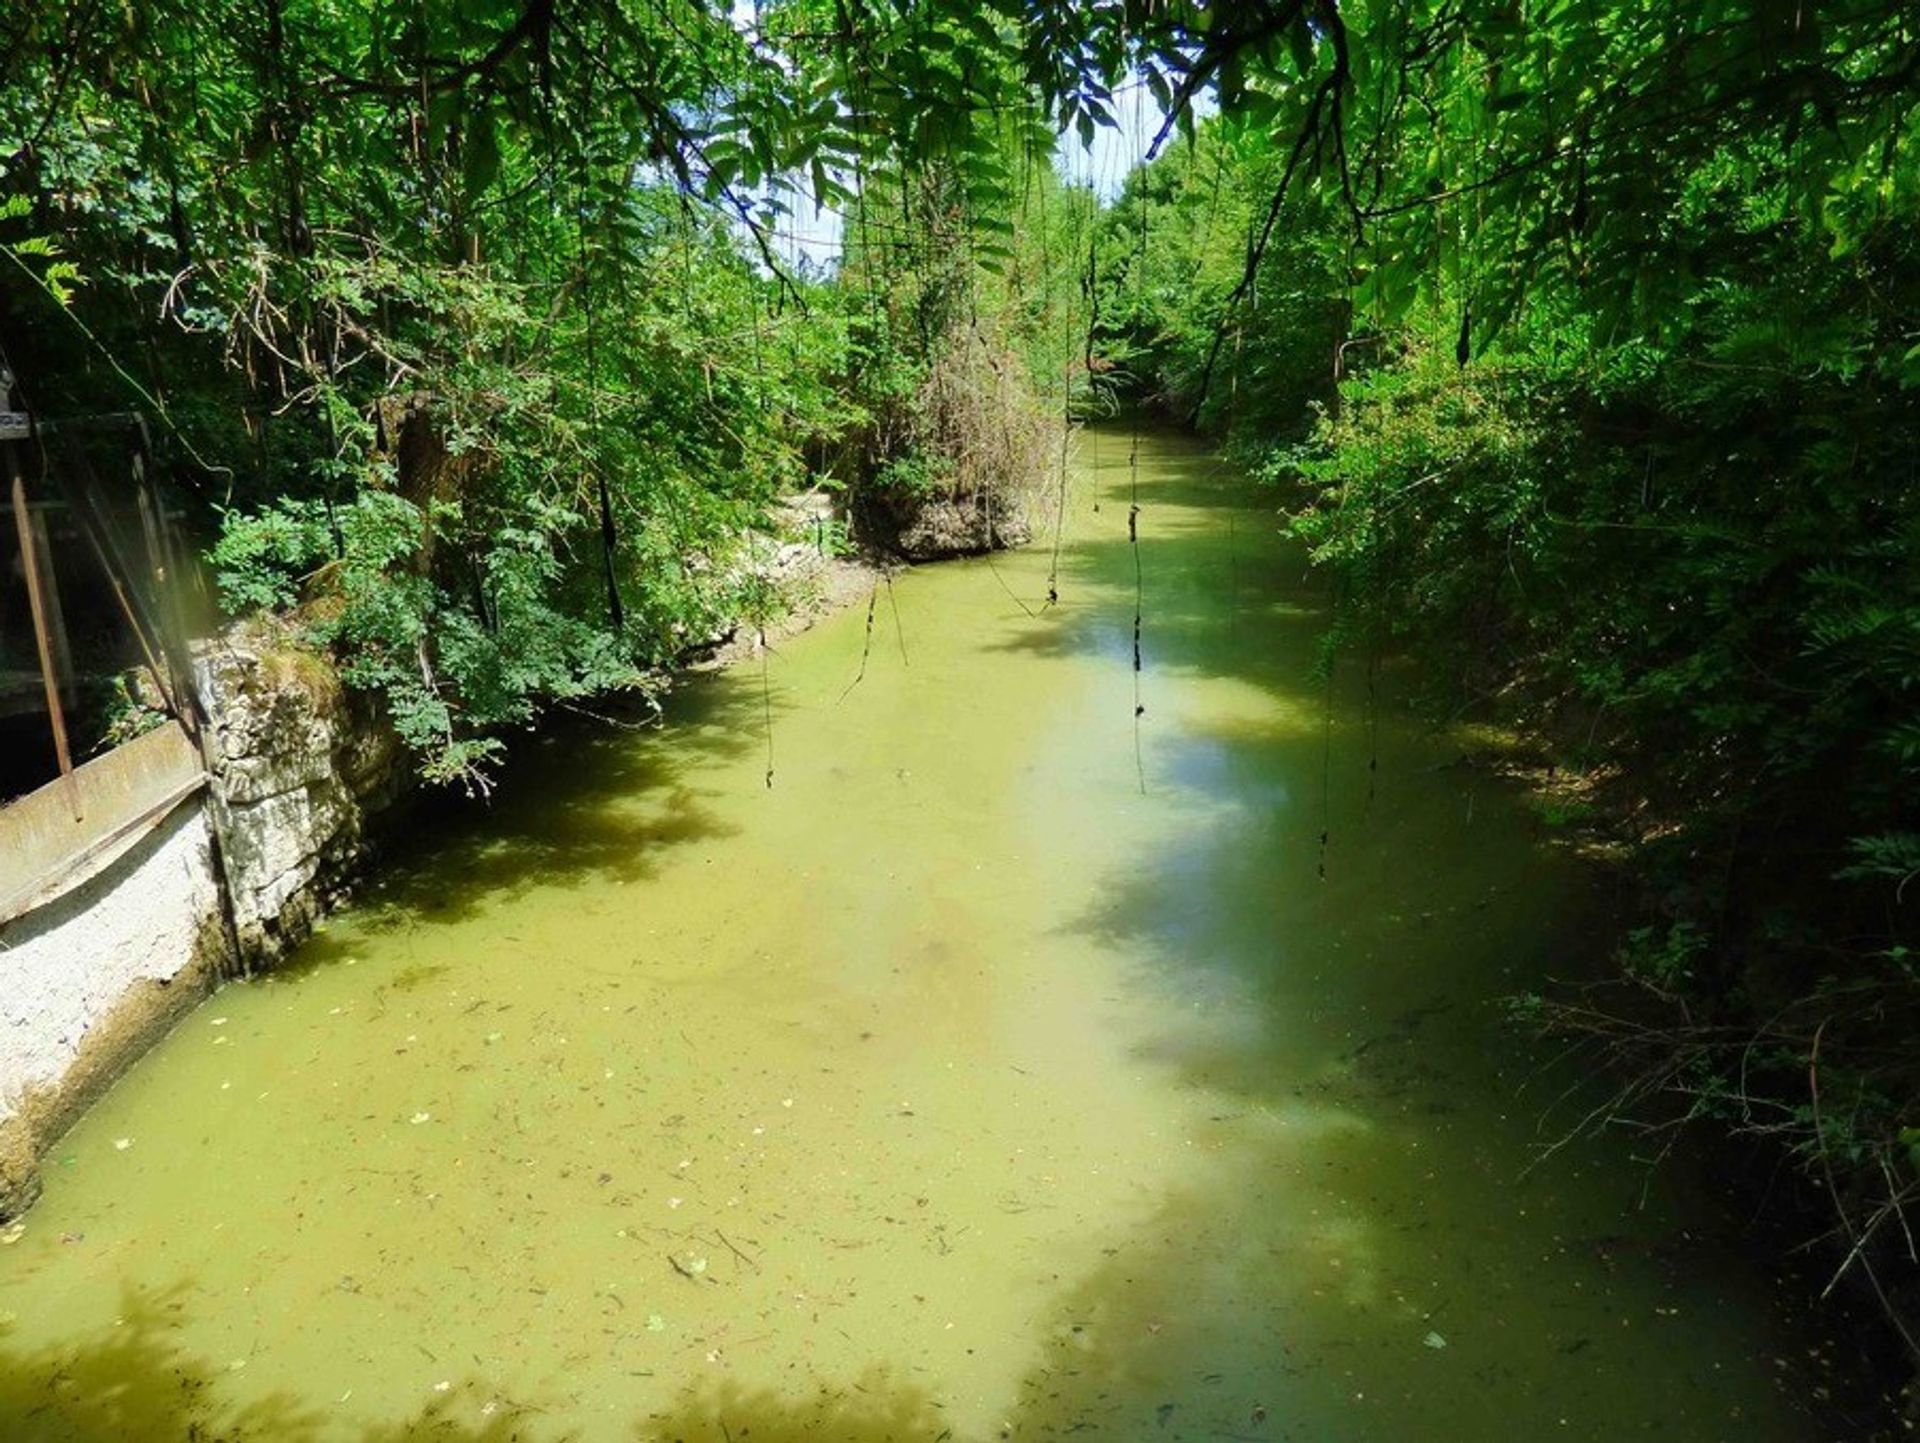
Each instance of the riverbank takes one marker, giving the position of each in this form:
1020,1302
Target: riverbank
307,788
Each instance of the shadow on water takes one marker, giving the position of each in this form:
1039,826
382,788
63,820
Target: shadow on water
1217,599
1331,928
136,1386
1338,927
1129,1358
585,800
1322,795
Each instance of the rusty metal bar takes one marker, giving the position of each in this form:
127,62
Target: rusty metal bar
56,612
30,564
160,673
156,576
179,567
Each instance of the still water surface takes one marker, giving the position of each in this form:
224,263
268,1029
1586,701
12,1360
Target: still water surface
953,1088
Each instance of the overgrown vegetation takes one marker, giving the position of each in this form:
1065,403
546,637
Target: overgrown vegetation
1609,326
1586,338
473,330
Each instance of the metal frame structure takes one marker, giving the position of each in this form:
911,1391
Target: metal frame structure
89,813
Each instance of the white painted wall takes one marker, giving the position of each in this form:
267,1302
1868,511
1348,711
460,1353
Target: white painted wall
64,966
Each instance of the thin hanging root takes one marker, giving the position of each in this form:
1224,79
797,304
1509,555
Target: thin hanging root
1233,582
1373,722
766,704
1133,509
1326,777
1133,539
1059,512
1139,706
987,556
899,631
1093,465
866,646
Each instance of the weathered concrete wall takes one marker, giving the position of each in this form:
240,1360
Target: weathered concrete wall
91,978
66,964
231,879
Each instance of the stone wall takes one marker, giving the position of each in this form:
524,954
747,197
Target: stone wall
299,766
936,526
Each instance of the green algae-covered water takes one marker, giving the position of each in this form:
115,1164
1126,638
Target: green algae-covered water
954,1088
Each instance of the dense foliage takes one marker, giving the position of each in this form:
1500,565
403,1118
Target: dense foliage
1611,325
1585,334
470,325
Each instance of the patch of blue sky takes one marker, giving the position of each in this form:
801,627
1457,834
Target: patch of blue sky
807,236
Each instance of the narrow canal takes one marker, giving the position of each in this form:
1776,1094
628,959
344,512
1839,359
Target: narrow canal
954,1088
